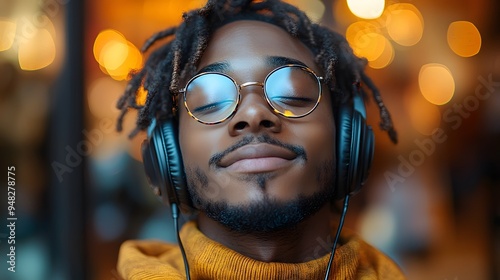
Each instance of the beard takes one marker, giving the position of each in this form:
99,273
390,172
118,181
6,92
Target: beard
267,215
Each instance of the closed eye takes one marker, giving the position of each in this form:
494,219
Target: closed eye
292,101
213,107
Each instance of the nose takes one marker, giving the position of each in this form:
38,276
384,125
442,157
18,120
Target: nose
254,114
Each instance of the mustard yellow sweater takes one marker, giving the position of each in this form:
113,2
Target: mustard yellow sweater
210,260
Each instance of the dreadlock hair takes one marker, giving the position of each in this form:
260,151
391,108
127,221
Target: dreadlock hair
171,62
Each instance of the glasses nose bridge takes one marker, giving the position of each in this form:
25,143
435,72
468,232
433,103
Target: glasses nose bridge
258,84
249,84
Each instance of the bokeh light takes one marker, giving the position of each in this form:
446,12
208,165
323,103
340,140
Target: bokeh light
405,24
313,8
131,61
365,40
425,117
367,9
116,56
113,54
436,83
7,34
141,96
464,38
385,58
103,38
37,51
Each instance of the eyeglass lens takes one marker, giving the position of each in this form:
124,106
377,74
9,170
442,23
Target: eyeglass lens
292,91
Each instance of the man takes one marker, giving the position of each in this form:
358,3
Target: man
241,111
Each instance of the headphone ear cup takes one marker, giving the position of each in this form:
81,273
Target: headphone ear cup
151,168
355,146
366,156
164,167
343,149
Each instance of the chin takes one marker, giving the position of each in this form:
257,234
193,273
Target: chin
264,215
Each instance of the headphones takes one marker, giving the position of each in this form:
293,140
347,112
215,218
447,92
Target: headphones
354,146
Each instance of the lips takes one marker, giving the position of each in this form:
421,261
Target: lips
257,158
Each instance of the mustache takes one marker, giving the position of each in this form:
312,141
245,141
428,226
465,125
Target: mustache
253,139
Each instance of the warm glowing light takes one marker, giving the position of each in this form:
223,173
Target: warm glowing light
7,34
405,24
169,12
463,38
367,9
314,9
37,52
424,116
436,83
193,4
385,58
377,43
102,96
365,40
141,96
115,55
132,61
103,39
288,113
355,30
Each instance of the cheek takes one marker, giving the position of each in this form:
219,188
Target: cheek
320,133
198,142
189,140
320,142
195,156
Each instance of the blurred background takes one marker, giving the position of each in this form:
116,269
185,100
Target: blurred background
432,202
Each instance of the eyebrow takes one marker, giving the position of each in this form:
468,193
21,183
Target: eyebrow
271,61
277,61
216,67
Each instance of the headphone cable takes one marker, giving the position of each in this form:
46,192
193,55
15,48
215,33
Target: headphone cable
337,235
175,216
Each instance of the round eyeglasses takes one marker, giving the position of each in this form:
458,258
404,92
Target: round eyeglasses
292,90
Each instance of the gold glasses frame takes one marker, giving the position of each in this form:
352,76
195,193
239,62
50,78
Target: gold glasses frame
319,79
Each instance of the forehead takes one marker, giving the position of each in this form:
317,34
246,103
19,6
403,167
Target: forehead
248,43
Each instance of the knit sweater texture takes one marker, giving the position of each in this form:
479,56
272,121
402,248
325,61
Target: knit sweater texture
354,259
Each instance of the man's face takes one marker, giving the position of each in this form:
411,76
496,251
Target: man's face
258,165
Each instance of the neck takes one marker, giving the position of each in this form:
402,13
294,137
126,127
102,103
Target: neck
306,241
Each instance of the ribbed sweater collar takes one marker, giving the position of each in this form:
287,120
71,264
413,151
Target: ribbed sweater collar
211,260
143,259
